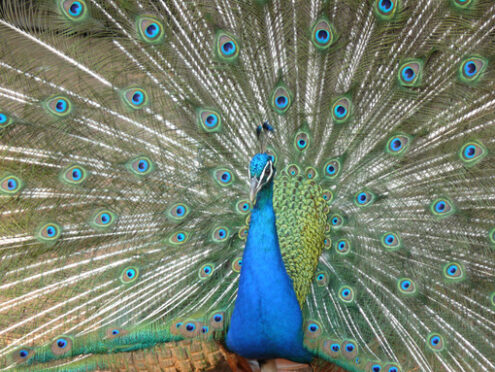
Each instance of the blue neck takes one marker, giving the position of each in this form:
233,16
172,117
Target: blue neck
267,320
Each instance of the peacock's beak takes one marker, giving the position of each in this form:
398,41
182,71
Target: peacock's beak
253,189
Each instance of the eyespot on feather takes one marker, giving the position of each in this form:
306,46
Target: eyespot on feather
73,175
410,73
150,29
73,10
442,207
385,10
62,345
103,219
226,47
341,110
135,98
140,166
22,355
5,119
223,177
281,99
129,275
472,153
10,184
209,120
206,271
49,232
323,34
58,106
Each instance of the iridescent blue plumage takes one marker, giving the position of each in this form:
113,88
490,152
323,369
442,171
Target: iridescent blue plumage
267,320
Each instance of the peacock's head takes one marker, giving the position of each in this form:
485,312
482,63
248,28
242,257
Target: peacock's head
260,173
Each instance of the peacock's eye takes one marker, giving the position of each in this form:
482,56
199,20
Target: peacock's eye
453,271
442,207
223,177
364,198
61,345
135,98
410,73
281,99
209,120
150,29
346,294
10,185
74,10
226,47
323,34
435,342
406,286
397,144
341,110
129,275
313,329
58,106
74,175
140,166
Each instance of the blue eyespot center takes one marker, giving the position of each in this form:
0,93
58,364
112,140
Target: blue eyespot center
452,269
23,353
228,48
470,151
180,210
61,343
281,101
405,284
11,184
331,169
142,165
105,218
389,239
408,74
362,198
396,144
386,5
335,220
218,318
225,177
61,105
470,68
393,369
50,231
376,368
152,30
131,273
190,327
75,9
322,36
3,118
76,174
204,329
115,332
435,340
440,206
349,347
211,120
335,347
340,111
180,237
346,292
207,269
302,143
137,98
313,327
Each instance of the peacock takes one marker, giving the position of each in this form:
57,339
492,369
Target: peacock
222,185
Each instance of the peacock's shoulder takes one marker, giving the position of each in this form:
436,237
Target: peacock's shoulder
301,208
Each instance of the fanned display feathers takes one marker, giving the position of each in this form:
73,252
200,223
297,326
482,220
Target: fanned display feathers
132,202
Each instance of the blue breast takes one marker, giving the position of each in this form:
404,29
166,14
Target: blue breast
267,320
